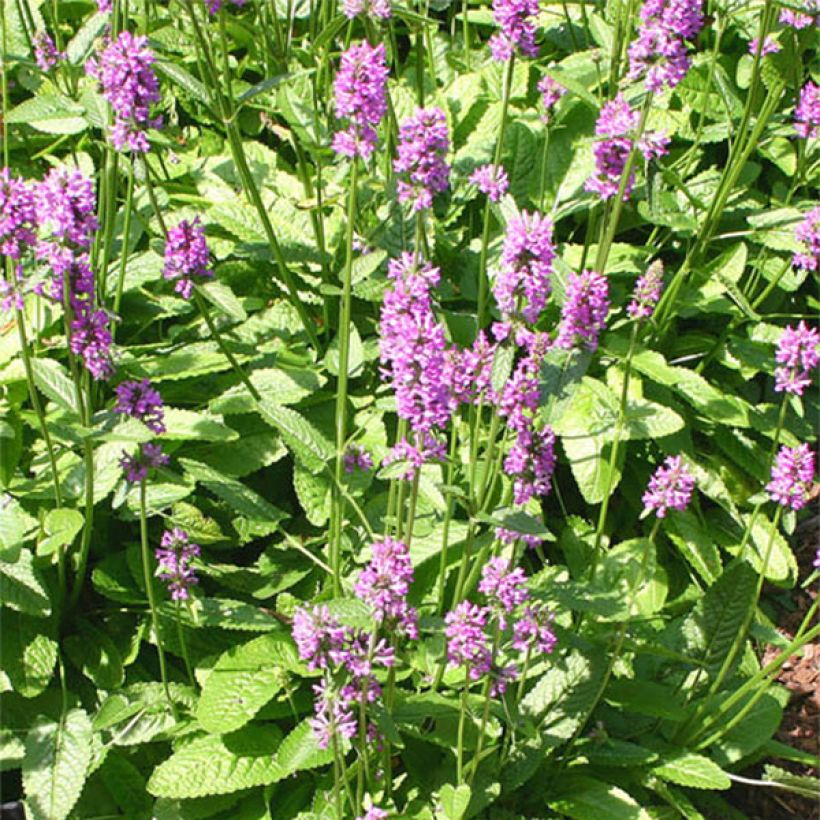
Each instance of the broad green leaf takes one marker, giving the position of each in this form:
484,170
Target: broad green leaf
27,653
21,587
82,42
692,770
587,799
55,383
12,750
225,299
299,751
94,653
55,765
49,113
61,527
305,442
223,613
314,493
646,698
184,425
590,461
279,385
454,801
796,783
560,377
695,545
241,498
186,81
243,680
216,764
16,525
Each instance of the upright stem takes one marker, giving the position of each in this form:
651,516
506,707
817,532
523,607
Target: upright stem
341,389
460,738
126,230
445,537
183,644
152,603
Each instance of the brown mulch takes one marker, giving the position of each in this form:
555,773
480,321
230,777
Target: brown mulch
801,720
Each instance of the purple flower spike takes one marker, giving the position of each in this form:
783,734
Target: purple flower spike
356,457
127,80
770,46
215,5
532,631
384,585
174,557
521,285
374,813
377,9
467,643
807,113
334,715
798,355
530,463
551,91
105,6
491,180
186,256
141,401
18,218
45,52
66,209
148,457
616,125
318,635
792,476
647,292
504,587
517,29
800,20
510,537
426,450
584,312
423,146
669,488
361,99
808,232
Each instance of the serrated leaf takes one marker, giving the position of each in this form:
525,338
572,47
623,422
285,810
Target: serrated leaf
61,526
280,385
223,613
49,113
303,440
243,680
502,366
300,751
21,587
55,765
241,498
183,425
184,79
222,297
587,799
798,784
94,653
695,771
80,46
314,494
27,654
52,379
219,764
694,543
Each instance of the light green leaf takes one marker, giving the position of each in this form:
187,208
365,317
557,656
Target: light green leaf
55,765
81,43
220,295
299,751
587,799
21,587
694,543
243,680
279,385
695,771
454,801
49,113
27,654
53,380
183,425
223,613
61,526
305,442
314,494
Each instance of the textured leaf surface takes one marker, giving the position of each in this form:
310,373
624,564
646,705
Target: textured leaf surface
588,799
21,587
695,771
55,765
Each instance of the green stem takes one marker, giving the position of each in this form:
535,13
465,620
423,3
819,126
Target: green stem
445,536
460,736
152,602
341,389
183,643
126,230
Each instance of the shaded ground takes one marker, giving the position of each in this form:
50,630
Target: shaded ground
801,720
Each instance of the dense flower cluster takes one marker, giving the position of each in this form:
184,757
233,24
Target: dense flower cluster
139,400
551,91
427,449
356,457
647,292
374,813
324,644
379,9
174,557
792,475
127,80
807,112
521,284
413,345
215,5
770,45
659,54
584,312
670,487
530,463
423,146
800,20
510,537
798,353
186,256
105,6
46,54
483,638
361,99
471,370
384,585
808,233
18,217
491,180
517,29
616,127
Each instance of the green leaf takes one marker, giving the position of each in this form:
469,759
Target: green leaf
560,377
299,751
220,764
221,296
183,425
645,698
55,765
314,493
223,613
303,440
587,799
186,81
61,526
52,379
798,784
27,654
280,385
454,801
21,587
49,113
692,770
243,680
241,498
94,653
694,544
12,750
502,366
78,50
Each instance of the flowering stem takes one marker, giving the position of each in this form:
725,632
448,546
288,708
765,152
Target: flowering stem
445,537
126,230
184,646
613,454
460,737
485,236
109,212
407,531
363,773
544,158
341,389
485,714
149,588
611,224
